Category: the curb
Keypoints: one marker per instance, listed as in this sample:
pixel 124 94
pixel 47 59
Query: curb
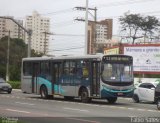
pixel 16 89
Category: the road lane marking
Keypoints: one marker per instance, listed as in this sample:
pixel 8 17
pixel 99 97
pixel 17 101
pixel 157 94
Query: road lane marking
pixel 141 109
pixel 18 111
pixel 24 103
pixel 131 108
pixel 105 106
pixel 74 109
pixel 83 120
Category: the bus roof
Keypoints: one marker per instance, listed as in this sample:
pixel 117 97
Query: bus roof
pixel 69 57
pixel 62 57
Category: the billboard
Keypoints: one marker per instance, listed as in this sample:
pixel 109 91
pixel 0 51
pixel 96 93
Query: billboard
pixel 145 58
pixel 111 51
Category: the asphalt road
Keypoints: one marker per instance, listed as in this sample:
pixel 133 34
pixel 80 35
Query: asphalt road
pixel 30 108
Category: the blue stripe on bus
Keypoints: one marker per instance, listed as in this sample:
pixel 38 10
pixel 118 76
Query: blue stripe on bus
pixel 115 91
pixel 46 82
pixel 106 92
pixel 57 88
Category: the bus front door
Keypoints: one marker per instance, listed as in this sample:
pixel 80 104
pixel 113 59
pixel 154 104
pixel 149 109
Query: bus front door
pixel 35 77
pixel 95 78
pixel 56 74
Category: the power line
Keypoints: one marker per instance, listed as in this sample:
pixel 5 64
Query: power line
pixel 74 35
pixel 58 12
pixel 124 3
pixel 67 49
pixel 152 12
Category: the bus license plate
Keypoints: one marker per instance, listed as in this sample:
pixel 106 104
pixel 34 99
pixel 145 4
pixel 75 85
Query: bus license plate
pixel 120 94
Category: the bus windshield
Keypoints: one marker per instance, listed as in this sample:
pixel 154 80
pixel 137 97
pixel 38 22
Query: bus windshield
pixel 116 72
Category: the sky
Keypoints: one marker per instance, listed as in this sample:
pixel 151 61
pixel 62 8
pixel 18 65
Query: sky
pixel 69 36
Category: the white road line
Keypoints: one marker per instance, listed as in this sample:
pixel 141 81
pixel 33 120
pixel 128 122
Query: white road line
pixel 17 90
pixel 24 103
pixel 141 109
pixel 82 120
pixel 74 109
pixel 18 111
pixel 131 108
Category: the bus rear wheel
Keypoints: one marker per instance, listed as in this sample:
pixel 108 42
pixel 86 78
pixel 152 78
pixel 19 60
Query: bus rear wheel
pixel 112 100
pixel 84 96
pixel 44 92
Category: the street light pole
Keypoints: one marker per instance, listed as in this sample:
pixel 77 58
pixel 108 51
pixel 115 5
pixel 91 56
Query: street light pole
pixel 8 50
pixel 29 42
pixel 86 29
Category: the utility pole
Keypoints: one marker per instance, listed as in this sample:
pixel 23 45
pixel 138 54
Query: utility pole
pixel 86 29
pixel 8 52
pixel 45 41
pixel 93 46
pixel 29 42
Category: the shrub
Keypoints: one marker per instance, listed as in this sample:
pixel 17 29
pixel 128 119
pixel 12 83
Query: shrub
pixel 15 84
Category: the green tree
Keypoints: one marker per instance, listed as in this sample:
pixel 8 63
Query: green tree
pixel 18 50
pixel 137 26
pixel 149 25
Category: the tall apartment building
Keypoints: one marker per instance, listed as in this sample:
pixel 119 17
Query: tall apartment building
pixel 40 26
pixel 99 34
pixel 8 25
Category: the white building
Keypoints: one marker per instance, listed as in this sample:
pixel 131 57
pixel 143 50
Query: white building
pixel 40 26
pixel 8 25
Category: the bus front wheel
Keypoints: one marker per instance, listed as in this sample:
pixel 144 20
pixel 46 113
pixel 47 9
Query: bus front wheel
pixel 44 92
pixel 84 96
pixel 112 100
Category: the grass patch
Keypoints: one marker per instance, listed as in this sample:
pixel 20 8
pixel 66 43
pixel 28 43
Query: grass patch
pixel 15 84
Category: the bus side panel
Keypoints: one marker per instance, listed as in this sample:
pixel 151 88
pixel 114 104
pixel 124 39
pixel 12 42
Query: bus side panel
pixel 41 81
pixel 26 84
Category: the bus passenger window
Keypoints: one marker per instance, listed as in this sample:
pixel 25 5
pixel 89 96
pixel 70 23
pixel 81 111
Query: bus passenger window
pixel 66 68
pixel 85 70
pixel 72 68
pixel 27 69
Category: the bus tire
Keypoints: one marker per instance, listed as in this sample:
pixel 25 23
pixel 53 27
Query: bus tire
pixel 135 98
pixel 112 100
pixel 84 96
pixel 158 104
pixel 44 92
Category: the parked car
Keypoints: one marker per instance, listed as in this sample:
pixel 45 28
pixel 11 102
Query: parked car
pixel 4 86
pixel 157 96
pixel 145 92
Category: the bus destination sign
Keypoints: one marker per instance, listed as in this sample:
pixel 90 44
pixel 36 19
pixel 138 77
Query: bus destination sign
pixel 117 58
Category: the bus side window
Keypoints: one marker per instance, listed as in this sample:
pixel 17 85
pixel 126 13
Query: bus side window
pixel 73 68
pixel 66 68
pixel 85 67
pixel 79 69
pixel 45 70
pixel 27 68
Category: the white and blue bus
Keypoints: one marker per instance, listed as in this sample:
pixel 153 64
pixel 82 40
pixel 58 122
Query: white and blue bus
pixel 87 77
